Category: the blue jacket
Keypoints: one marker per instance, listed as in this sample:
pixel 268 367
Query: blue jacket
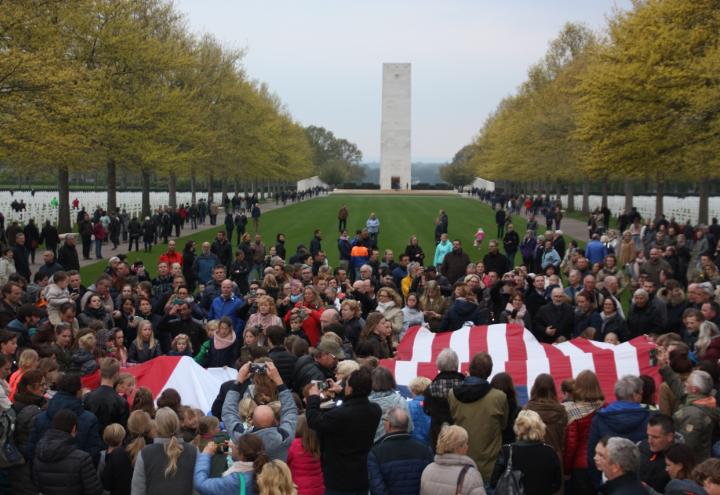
pixel 421 421
pixel 396 463
pixel 205 485
pixel 88 430
pixel 619 419
pixel 203 266
pixel 595 251
pixel 228 307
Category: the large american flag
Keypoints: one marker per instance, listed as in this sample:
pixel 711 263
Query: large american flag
pixel 517 351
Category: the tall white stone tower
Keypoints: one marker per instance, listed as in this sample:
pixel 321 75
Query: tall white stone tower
pixel 395 131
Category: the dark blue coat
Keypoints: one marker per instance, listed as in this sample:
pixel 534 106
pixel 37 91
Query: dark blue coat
pixel 619 419
pixel 396 463
pixel 88 431
pixel 460 312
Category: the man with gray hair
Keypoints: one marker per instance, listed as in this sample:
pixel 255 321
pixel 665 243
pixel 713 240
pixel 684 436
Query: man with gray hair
pixel 625 418
pixel 436 395
pixel 397 461
pixel 619 459
pixel 697 418
pixel 643 316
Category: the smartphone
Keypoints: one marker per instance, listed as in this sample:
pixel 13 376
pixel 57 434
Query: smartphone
pixel 653 357
pixel 320 384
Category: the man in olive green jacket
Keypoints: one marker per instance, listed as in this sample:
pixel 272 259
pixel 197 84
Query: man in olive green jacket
pixel 482 411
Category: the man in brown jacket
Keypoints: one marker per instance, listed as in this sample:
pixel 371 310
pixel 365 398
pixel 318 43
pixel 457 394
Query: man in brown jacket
pixel 482 411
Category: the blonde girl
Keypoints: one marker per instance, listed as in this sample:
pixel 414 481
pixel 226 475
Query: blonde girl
pixel 181 346
pixel 29 360
pixel 144 347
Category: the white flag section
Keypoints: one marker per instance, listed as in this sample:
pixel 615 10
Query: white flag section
pixel 196 385
pixel 516 351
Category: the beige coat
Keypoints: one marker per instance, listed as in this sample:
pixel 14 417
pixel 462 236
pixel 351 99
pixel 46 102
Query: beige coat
pixel 441 477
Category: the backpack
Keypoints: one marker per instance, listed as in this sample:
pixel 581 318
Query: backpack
pixel 9 454
pixel 510 482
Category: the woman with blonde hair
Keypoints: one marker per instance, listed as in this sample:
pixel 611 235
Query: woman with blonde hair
pixel 265 316
pixel 140 433
pixel 350 316
pixel 144 347
pixel 275 479
pixel 627 249
pixel 29 360
pixel 390 306
pixel 451 459
pixel 537 461
pixel 433 304
pixel 587 398
pixel 167 465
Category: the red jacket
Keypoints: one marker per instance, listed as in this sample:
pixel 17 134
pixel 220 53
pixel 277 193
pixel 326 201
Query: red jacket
pixel 311 325
pixel 306 470
pixel 171 258
pixel 99 231
pixel 577 434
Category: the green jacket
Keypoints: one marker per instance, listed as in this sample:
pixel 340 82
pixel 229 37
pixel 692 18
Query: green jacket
pixel 697 419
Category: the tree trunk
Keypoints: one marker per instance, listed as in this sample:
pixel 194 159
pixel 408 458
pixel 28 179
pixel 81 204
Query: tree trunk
pixel 145 201
pixel 210 187
pixel 571 196
pixel 704 205
pixel 659 196
pixel 628 195
pixel 237 186
pixel 111 185
pixel 172 190
pixel 192 187
pixel 63 222
pixel 604 192
pixel 224 185
pixel 586 196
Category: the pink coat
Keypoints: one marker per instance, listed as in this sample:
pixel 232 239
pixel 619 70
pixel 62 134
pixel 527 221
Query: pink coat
pixel 306 470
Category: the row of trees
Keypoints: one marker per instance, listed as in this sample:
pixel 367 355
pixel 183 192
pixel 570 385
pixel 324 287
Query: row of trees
pixel 641 101
pixel 123 86
pixel 337 160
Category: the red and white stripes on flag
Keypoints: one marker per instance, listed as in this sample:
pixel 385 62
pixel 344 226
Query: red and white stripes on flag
pixel 517 351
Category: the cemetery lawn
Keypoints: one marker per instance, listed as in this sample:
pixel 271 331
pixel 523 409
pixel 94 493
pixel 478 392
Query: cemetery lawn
pixel 400 217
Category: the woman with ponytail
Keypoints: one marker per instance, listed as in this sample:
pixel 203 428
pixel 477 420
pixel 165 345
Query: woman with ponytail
pixel 241 476
pixel 167 465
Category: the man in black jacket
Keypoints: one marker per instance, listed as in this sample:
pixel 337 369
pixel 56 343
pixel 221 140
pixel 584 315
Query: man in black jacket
pixel 555 319
pixel 20 256
pixel 104 402
pixel 346 433
pixel 67 254
pixel 494 261
pixel 60 467
pixel 511 242
pixel 180 320
pixel 318 366
pixel 455 263
pixel 222 249
pixel 284 361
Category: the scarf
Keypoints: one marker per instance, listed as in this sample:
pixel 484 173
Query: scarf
pixel 382 307
pixel 224 343
pixel 520 314
pixel 96 313
pixel 239 467
pixel 605 317
pixel 579 410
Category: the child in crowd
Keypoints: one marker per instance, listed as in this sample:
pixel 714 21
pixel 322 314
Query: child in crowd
pixel 296 328
pixel 143 401
pixel 56 294
pixel 125 386
pixel 304 460
pixel 421 421
pixel 208 430
pixel 84 358
pixel 612 338
pixel 181 346
pixel 29 360
pixel 201 356
pixel 188 423
pixel 116 473
pixel 144 347
pixel 479 237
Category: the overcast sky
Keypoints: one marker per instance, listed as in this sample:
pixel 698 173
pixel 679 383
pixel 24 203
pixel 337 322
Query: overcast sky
pixel 324 58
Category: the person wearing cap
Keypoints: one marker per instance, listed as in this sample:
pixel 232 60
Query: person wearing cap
pixel 320 365
pixel 277 435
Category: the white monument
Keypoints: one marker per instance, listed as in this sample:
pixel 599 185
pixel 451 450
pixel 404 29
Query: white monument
pixel 395 131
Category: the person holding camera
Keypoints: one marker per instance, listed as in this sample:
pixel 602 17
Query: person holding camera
pixel 277 435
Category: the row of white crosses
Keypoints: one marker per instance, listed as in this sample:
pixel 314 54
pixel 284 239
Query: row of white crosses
pixel 40 206
pixel 680 208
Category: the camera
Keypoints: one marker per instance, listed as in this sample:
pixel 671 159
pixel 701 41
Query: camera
pixel 320 384
pixel 223 448
pixel 258 368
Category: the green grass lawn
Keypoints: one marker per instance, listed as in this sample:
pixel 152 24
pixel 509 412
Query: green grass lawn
pixel 400 217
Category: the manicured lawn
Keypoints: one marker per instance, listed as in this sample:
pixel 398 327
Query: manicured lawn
pixel 400 217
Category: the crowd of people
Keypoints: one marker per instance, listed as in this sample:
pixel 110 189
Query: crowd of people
pixel 312 409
